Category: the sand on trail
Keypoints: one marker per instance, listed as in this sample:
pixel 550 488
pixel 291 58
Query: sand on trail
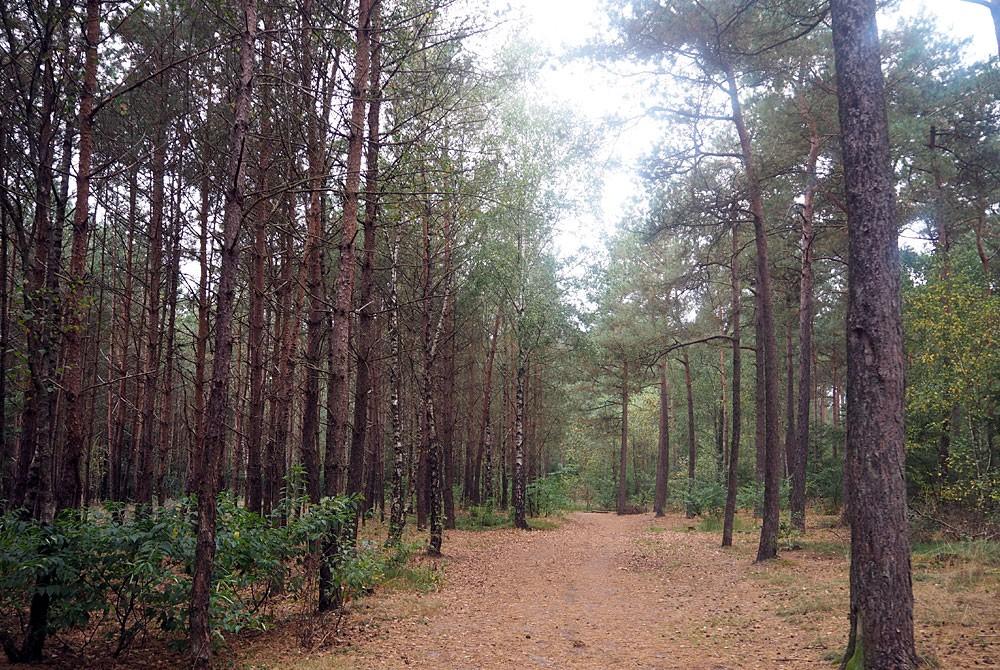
pixel 599 591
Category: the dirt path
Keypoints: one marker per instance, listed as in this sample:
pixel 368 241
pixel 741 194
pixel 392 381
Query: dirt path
pixel 600 591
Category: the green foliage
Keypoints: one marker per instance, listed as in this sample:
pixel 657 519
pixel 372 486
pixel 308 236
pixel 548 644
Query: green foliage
pixel 978 552
pixel 953 336
pixel 482 517
pixel 825 481
pixel 120 575
pixel 551 494
pixel 714 524
pixel 704 497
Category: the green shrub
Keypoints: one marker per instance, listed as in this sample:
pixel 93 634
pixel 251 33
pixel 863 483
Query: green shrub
pixel 551 493
pixel 482 517
pixel 120 576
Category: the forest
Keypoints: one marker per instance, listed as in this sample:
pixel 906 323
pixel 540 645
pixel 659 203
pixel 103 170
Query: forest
pixel 320 347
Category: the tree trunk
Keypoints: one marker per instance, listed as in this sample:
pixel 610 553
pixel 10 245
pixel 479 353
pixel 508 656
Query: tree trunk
pixel 732 477
pixel 166 431
pixel 692 444
pixel 257 337
pixel 798 492
pixel 215 424
pixel 789 400
pixel 397 512
pixel 519 493
pixel 342 306
pixel 759 418
pixel 201 339
pixel 663 452
pixel 366 313
pixel 151 364
pixel 768 547
pixel 622 502
pixel 33 485
pixel 73 350
pixel 313 259
pixel 881 590
pixel 484 453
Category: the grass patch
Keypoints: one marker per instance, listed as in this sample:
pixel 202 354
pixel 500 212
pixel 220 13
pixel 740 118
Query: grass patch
pixel 422 578
pixel 714 523
pixel 482 517
pixel 543 523
pixel 809 603
pixel 826 548
pixel 981 553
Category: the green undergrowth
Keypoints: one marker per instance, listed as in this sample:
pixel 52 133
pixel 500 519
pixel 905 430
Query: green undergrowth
pixel 980 552
pixel 713 524
pixel 401 573
pixel 486 517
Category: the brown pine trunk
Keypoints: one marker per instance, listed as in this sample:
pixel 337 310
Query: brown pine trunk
pixel 484 452
pixel 120 337
pixel 151 364
pixel 797 502
pixel 366 313
pixel 166 427
pixel 692 444
pixel 663 451
pixel 73 350
pixel 622 501
pixel 343 300
pixel 33 485
pixel 257 337
pixel 759 419
pixel 735 310
pixel 201 339
pixel 881 590
pixel 314 271
pixel 215 418
pixel 790 442
pixel 772 466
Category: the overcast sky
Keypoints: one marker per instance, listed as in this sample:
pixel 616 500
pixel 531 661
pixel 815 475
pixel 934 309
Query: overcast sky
pixel 562 24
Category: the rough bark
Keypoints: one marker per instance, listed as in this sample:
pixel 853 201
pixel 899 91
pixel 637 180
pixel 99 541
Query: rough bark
pixel 622 501
pixel 151 362
pixel 519 491
pixel 397 510
pixel 768 547
pixel 881 590
pixel 798 492
pixel 73 350
pixel 215 425
pixel 790 442
pixel 735 311
pixel 344 290
pixel 366 311
pixel 201 339
pixel 309 443
pixel 257 337
pixel 663 445
pixel 692 443
pixel 484 453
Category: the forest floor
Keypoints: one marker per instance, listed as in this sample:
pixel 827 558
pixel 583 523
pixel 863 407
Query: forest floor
pixel 603 591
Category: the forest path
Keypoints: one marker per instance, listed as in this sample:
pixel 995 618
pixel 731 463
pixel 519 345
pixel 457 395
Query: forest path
pixel 599 591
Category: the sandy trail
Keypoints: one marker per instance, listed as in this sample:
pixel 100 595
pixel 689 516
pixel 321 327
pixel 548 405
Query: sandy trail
pixel 600 591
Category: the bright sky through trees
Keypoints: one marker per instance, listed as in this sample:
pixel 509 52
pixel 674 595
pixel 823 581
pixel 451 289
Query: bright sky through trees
pixel 599 94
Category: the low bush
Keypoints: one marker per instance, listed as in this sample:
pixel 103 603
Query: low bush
pixel 551 494
pixel 118 576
